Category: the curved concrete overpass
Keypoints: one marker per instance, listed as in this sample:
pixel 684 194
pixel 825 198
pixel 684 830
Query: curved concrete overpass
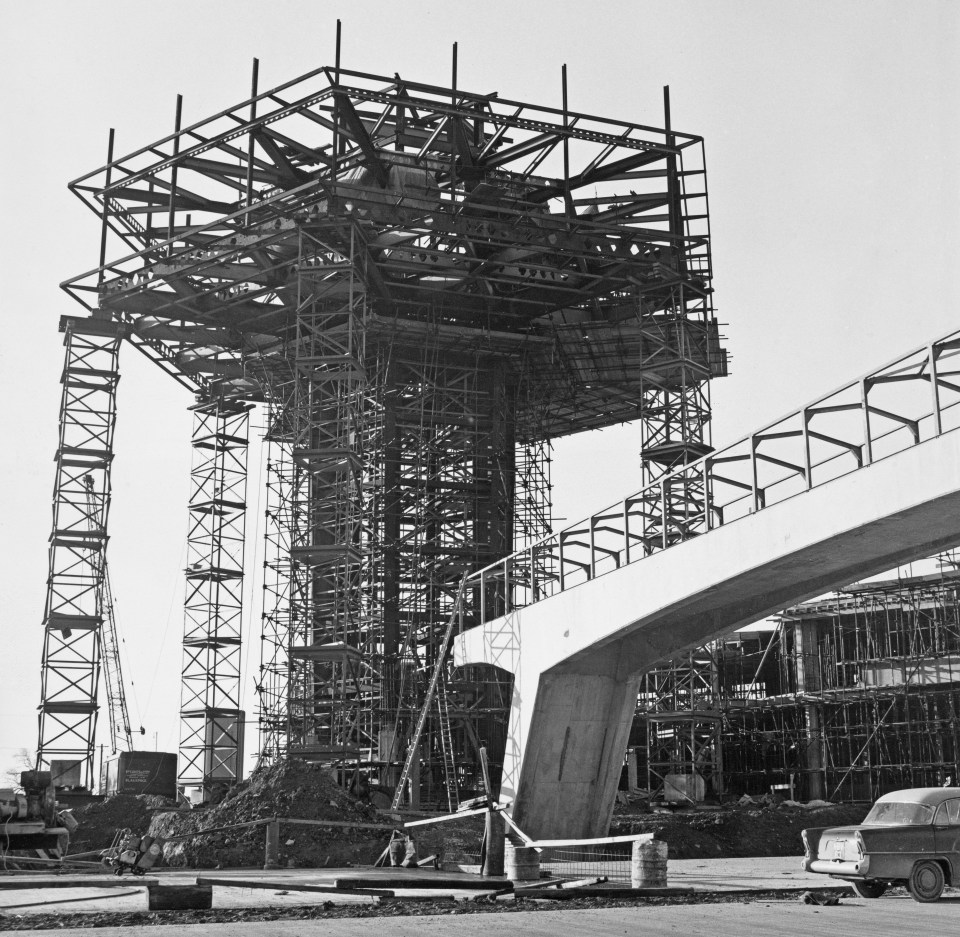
pixel 578 656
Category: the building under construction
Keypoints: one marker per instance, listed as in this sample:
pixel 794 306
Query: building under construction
pixel 421 287
pixel 843 698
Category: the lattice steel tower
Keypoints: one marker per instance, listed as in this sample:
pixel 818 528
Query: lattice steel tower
pixel 422 286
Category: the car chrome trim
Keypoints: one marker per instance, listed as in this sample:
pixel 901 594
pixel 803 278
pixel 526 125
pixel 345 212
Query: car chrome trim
pixel 833 867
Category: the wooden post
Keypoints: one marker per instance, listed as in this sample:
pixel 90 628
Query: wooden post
pixel 272 855
pixel 495 835
pixel 414 782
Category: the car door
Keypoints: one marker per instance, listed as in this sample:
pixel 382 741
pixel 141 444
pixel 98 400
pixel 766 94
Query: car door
pixel 946 832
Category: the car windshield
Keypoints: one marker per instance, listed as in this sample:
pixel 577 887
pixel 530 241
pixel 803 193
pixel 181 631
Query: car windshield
pixel 894 813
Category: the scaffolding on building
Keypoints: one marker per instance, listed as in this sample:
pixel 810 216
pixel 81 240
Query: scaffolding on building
pixel 422 287
pixel 843 698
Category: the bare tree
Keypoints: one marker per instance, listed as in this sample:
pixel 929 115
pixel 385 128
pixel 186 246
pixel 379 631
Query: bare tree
pixel 22 760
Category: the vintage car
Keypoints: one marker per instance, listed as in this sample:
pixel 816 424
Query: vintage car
pixel 908 838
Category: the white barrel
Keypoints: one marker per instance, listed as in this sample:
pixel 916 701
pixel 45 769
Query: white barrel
pixel 648 865
pixel 521 863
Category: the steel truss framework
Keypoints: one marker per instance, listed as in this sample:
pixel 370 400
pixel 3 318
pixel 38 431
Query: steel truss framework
pixel 212 722
pixel 74 613
pixel 678 708
pixel 425 286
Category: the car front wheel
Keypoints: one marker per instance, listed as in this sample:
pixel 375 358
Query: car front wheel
pixel 869 889
pixel 926 881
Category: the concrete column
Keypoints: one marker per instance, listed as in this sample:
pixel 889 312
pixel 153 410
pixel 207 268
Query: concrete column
pixel 813 753
pixel 574 754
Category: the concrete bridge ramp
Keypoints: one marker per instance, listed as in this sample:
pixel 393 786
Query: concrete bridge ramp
pixel 578 653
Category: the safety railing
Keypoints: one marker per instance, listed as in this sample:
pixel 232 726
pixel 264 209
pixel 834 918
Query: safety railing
pixel 908 401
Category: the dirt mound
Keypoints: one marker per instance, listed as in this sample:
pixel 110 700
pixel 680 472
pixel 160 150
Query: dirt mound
pixel 737 832
pixel 99 822
pixel 291 789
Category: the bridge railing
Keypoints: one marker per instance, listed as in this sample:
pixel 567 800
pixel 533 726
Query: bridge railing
pixel 906 402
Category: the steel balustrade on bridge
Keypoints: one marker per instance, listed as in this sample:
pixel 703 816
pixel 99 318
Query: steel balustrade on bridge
pixel 908 401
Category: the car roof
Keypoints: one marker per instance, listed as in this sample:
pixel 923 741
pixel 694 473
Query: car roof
pixel 921 795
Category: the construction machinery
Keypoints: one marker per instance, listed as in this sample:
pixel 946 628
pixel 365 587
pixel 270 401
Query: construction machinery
pixel 29 818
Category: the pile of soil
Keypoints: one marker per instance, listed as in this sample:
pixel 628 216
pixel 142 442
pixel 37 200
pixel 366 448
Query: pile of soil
pixel 100 821
pixel 291 789
pixel 302 791
pixel 736 831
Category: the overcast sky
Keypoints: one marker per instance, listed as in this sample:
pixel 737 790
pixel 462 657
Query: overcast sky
pixel 832 146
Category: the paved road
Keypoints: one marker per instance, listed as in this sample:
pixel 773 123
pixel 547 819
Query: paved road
pixel 886 917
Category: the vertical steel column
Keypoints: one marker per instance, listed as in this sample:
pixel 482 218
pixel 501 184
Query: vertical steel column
pixel 73 616
pixel 211 740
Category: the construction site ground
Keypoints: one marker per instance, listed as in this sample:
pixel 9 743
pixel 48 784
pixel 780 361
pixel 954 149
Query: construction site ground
pixel 737 851
pixel 109 904
pixel 299 791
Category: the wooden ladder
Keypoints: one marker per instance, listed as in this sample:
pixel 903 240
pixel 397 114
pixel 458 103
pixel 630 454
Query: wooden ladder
pixel 435 681
pixel 446 743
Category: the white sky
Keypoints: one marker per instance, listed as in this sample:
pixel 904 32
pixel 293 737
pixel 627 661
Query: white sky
pixel 833 151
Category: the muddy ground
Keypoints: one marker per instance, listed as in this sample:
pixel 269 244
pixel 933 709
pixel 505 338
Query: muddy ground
pixel 303 791
pixel 293 789
pixel 734 831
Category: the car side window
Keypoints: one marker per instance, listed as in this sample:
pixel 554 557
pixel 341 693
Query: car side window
pixel 949 813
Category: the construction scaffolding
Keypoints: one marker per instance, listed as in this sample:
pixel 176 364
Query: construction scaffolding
pixel 77 597
pixel 422 287
pixel 211 718
pixel 843 698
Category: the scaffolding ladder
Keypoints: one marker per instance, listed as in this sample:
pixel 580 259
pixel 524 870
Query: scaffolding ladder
pixel 446 742
pixel 435 683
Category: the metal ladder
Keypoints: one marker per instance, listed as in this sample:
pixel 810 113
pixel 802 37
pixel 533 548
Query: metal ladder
pixel 435 680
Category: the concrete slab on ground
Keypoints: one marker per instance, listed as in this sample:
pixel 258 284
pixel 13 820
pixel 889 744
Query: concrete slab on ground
pixel 279 888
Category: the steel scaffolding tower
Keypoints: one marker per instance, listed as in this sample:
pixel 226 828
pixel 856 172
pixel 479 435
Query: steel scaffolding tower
pixel 425 286
pixel 74 614
pixel 211 738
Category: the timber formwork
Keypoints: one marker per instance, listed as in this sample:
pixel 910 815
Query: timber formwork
pixel 423 287
pixel 846 698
